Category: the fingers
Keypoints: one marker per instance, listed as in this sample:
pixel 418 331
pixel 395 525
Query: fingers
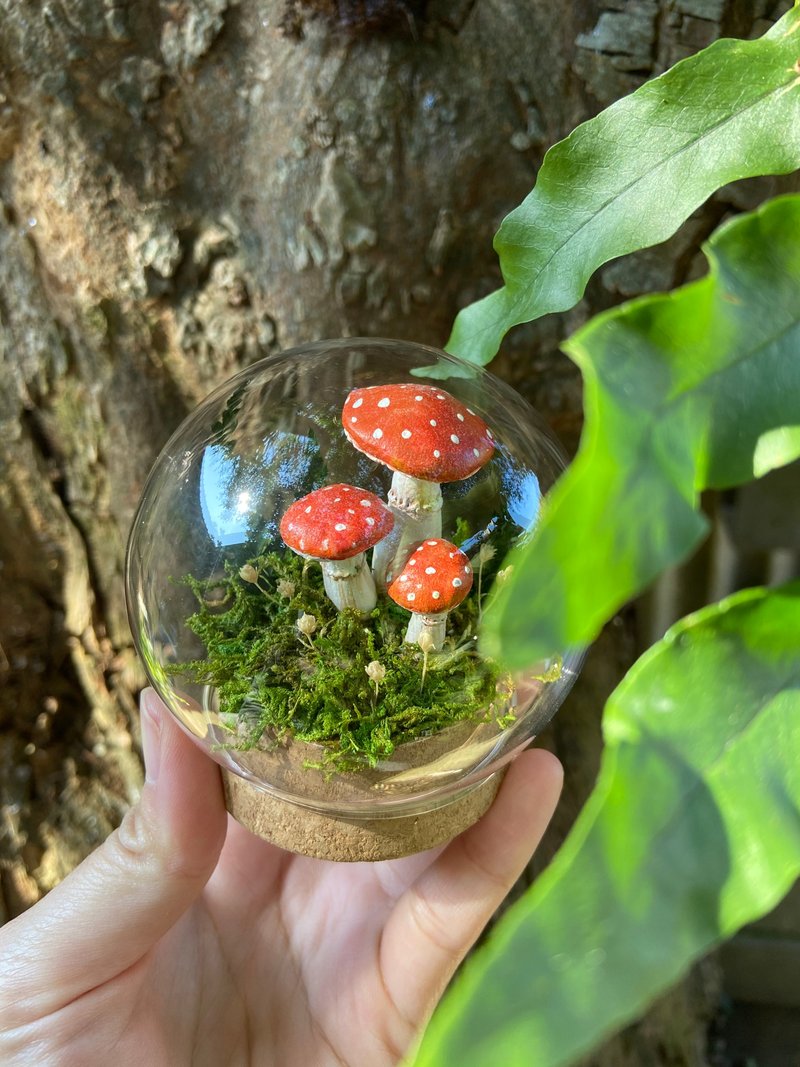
pixel 439 917
pixel 121 900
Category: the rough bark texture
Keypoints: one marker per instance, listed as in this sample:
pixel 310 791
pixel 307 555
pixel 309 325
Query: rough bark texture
pixel 187 186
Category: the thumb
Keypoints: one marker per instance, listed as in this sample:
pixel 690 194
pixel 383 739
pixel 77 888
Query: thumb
pixel 124 897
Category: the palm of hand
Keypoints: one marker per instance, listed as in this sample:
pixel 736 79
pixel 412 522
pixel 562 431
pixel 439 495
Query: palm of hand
pixel 286 960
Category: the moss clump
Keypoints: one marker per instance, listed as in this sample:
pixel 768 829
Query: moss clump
pixel 274 680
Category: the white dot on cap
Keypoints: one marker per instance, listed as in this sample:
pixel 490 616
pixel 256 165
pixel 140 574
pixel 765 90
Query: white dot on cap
pixel 475 452
pixel 436 594
pixel 403 577
pixel 364 503
pixel 350 511
pixel 308 510
pixel 430 543
pixel 337 500
pixel 340 526
pixel 466 570
pixel 459 416
pixel 418 398
pixel 377 433
pixel 411 596
pixel 359 402
pixel 384 402
pixel 430 570
pixel 439 396
pixel 457 582
pixel 433 422
pixel 436 453
pixel 370 521
pixel 406 434
pixel 326 543
pixel 302 543
pixel 354 419
pixel 412 562
pixel 346 489
pixel 455 438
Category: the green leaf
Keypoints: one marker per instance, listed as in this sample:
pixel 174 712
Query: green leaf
pixel 693 829
pixel 628 178
pixel 776 448
pixel 683 392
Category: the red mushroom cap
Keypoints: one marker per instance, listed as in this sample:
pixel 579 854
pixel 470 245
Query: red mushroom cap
pixel 336 522
pixel 436 577
pixel 417 429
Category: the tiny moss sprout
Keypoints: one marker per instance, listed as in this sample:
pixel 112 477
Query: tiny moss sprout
pixel 306 626
pixel 426 643
pixel 248 573
pixel 376 672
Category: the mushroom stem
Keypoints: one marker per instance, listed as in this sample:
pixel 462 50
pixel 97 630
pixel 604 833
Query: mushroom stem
pixel 349 584
pixel 431 624
pixel 417 509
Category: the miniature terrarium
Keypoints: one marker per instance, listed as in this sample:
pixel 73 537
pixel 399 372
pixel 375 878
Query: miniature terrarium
pixel 307 572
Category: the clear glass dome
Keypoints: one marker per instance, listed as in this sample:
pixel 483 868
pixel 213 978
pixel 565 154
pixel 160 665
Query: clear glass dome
pixel 366 708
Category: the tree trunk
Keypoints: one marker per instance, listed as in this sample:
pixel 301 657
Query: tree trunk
pixel 188 186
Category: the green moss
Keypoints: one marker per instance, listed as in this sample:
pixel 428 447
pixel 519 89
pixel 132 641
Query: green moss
pixel 272 680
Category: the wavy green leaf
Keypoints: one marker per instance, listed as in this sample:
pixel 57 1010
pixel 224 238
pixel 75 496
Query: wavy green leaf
pixel 693 829
pixel 683 392
pixel 628 178
pixel 776 448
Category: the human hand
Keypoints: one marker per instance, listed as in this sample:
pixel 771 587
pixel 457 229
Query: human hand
pixel 185 940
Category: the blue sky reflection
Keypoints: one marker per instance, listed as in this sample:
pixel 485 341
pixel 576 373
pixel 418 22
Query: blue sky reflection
pixel 238 496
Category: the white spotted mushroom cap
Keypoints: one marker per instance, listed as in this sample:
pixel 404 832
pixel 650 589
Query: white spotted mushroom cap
pixel 335 522
pixel 418 430
pixel 436 577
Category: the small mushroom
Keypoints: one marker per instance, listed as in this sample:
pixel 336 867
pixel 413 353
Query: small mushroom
pixel 436 578
pixel 336 525
pixel 425 436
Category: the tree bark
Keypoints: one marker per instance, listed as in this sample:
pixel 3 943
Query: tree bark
pixel 188 186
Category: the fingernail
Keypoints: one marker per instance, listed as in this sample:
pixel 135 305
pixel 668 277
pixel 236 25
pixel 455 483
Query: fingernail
pixel 150 707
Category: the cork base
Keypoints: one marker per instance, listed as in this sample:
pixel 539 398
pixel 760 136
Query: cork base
pixel 326 837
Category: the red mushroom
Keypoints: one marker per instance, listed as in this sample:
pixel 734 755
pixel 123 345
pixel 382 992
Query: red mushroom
pixel 425 436
pixel 435 579
pixel 336 525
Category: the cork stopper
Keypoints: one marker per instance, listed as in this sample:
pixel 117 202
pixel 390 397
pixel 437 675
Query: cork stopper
pixel 327 837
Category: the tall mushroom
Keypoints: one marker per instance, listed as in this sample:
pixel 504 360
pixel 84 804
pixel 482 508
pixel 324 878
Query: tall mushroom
pixel 336 525
pixel 425 436
pixel 435 579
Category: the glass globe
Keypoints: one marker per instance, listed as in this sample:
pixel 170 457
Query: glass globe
pixel 277 568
